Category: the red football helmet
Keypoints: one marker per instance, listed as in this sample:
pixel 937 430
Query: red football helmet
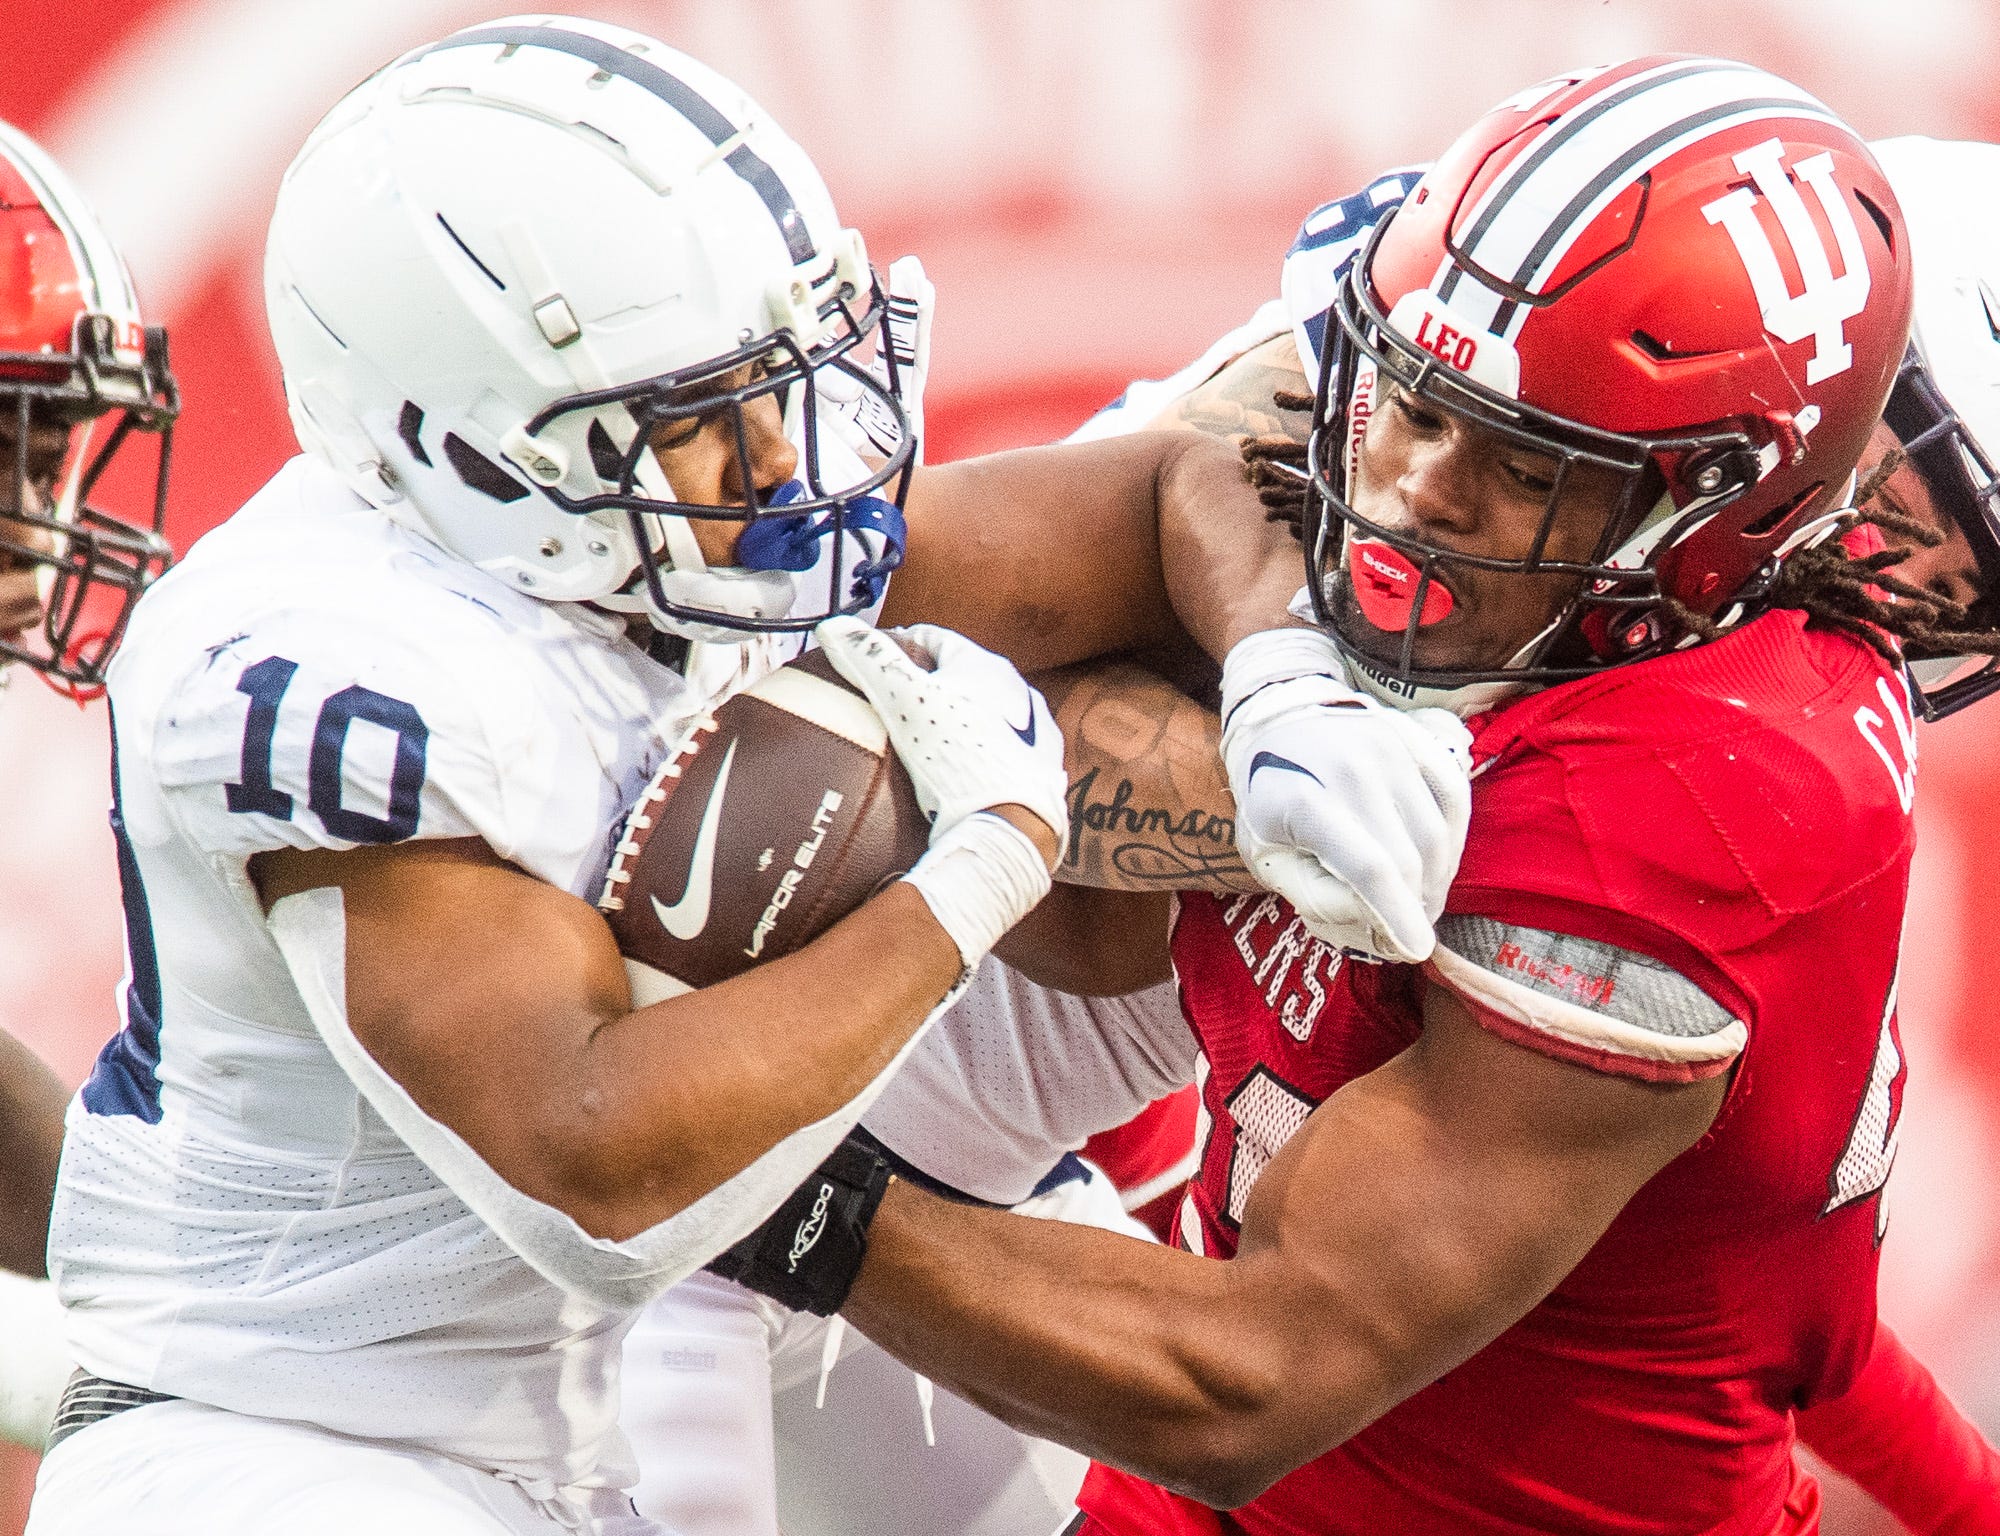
pixel 1684 271
pixel 73 351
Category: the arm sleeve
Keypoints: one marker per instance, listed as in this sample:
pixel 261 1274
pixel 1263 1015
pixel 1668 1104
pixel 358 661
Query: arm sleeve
pixel 1897 1435
pixel 1585 1001
pixel 311 932
pixel 1016 1075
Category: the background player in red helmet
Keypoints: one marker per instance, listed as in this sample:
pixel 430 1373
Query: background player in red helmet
pixel 78 374
pixel 1602 1176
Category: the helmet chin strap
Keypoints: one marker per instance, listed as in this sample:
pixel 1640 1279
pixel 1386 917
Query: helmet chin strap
pixel 761 595
pixel 689 580
pixel 1465 700
pixel 69 500
pixel 63 509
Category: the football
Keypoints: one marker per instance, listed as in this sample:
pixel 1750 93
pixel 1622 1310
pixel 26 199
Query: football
pixel 778 815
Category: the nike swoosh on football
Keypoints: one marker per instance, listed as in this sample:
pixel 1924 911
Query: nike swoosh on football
pixel 686 918
pixel 1272 760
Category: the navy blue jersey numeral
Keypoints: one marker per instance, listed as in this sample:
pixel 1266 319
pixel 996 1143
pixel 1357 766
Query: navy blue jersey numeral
pixel 1356 214
pixel 265 682
pixel 406 782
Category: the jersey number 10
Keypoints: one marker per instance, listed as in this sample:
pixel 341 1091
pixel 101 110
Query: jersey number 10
pixel 266 682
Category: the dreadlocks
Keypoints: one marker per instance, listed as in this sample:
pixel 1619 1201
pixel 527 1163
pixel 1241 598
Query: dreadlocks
pixel 1858 595
pixel 1277 468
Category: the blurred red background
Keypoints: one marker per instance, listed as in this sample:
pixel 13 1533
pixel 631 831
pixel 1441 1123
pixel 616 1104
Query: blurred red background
pixel 1098 190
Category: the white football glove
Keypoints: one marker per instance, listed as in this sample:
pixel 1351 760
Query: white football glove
pixel 1352 811
pixel 861 419
pixel 973 735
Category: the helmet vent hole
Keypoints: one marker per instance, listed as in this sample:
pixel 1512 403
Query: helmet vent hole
pixel 1778 516
pixel 490 275
pixel 1660 351
pixel 408 425
pixel 480 472
pixel 604 455
pixel 1884 225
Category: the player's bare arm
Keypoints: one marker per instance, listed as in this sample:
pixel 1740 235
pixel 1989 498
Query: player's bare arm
pixel 457 961
pixel 1092 942
pixel 1149 812
pixel 1006 550
pixel 31 1127
pixel 1057 554
pixel 1149 805
pixel 1422 1210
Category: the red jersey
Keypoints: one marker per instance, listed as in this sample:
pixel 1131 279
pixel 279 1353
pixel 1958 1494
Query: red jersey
pixel 1673 867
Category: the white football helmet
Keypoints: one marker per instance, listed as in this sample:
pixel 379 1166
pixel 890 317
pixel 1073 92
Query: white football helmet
pixel 503 260
pixel 1945 407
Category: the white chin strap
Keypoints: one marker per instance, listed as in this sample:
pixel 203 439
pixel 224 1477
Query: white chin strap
pixel 757 595
pixel 688 580
pixel 1465 701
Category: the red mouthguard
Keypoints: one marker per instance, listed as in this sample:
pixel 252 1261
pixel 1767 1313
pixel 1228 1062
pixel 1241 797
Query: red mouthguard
pixel 1385 584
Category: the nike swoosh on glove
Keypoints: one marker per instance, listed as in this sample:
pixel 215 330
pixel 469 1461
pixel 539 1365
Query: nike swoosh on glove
pixel 957 726
pixel 867 425
pixel 1352 811
pixel 973 735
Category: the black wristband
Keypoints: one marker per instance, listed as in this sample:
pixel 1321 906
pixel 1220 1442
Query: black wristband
pixel 808 1251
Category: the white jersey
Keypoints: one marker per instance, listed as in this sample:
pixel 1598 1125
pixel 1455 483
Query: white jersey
pixel 1143 399
pixel 234 1224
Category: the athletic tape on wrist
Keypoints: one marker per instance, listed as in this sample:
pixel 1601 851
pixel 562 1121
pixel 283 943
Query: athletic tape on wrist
pixel 980 878
pixel 1276 656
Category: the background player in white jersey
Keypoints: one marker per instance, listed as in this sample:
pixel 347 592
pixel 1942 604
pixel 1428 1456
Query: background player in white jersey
pixel 79 373
pixel 368 748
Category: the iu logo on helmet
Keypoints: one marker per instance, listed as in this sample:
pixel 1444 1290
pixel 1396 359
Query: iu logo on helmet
pixel 1827 302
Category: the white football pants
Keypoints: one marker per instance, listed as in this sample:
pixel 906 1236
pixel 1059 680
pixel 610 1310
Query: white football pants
pixel 186 1469
pixel 721 1406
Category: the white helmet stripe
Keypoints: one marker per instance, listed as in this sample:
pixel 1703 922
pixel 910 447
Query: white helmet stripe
pixel 1524 226
pixel 1564 131
pixel 676 93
